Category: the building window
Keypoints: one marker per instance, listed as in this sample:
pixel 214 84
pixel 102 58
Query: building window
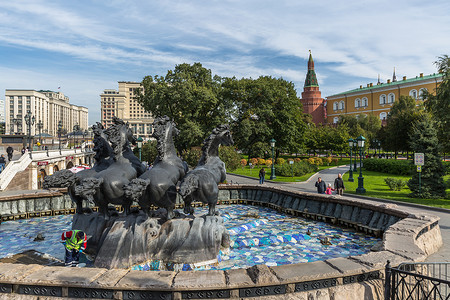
pixel 357 102
pixel 413 93
pixel 335 120
pixel 421 91
pixel 342 104
pixel 335 106
pixel 364 102
pixel 391 98
pixel 382 99
pixel 383 116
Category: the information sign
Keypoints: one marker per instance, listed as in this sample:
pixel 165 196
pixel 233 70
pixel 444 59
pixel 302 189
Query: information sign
pixel 419 159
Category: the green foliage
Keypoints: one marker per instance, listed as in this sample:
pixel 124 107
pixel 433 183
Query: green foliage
pixel 189 95
pixel 148 152
pixel 439 104
pixel 280 161
pixel 297 169
pixel 395 184
pixel 395 136
pixel 423 139
pixel 192 156
pixel 389 166
pixel 266 108
pixel 230 157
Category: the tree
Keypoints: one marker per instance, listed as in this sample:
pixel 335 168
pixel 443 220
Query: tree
pixel 148 152
pixel 423 139
pixel 266 108
pixel 189 95
pixel 230 157
pixel 399 123
pixel 365 125
pixel 439 104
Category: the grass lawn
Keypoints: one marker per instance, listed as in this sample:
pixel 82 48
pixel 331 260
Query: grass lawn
pixel 376 187
pixel 255 173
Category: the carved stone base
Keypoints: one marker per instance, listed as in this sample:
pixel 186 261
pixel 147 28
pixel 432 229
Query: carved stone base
pixel 124 241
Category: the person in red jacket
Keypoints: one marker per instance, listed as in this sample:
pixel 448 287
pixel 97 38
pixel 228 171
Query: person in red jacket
pixel 75 242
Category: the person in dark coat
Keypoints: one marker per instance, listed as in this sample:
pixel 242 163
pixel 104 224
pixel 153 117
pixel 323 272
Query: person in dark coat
pixel 321 186
pixel 339 185
pixel 2 163
pixel 9 151
pixel 262 175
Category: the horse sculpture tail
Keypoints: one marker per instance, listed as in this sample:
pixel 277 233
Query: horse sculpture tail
pixel 87 188
pixel 60 179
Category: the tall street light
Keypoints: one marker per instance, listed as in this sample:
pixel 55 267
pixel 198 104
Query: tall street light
pixel 360 190
pixel 59 134
pixel 18 122
pixel 40 125
pixel 29 120
pixel 351 142
pixel 76 128
pixel 272 173
pixel 139 145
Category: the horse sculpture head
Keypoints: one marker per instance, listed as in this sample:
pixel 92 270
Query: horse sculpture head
pixel 163 131
pixel 221 135
pixel 119 135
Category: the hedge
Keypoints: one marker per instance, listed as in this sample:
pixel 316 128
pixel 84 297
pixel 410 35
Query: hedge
pixel 389 166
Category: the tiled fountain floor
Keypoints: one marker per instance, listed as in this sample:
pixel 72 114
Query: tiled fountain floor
pixel 258 236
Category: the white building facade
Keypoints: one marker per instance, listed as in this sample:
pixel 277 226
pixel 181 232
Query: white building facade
pixel 47 108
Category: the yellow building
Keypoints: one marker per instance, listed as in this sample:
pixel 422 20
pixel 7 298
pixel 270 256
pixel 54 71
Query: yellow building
pixel 122 103
pixel 378 99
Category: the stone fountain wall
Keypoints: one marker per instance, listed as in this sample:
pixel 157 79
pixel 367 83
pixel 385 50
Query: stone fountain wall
pixel 406 238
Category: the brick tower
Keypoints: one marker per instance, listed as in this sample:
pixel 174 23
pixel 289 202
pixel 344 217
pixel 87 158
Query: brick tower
pixel 312 100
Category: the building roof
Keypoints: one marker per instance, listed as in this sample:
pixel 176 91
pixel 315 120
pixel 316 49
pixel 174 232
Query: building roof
pixel 311 79
pixel 383 85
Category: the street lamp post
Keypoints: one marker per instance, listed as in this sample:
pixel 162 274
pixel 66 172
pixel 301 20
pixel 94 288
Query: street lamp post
pixel 351 142
pixel 29 120
pixel 139 145
pixel 360 189
pixel 59 135
pixel 76 128
pixel 272 173
pixel 18 122
pixel 40 125
pixel 355 144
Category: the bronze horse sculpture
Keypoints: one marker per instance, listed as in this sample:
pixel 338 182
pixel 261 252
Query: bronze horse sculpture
pixel 65 178
pixel 157 186
pixel 201 184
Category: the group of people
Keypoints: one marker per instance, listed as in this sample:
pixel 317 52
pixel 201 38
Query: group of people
pixel 339 187
pixel 9 152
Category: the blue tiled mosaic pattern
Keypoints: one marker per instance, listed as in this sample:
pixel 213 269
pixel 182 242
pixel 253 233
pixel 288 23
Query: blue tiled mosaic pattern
pixel 258 236
pixel 263 236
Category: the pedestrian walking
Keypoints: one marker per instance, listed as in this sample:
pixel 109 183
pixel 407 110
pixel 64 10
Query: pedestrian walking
pixel 339 185
pixel 329 190
pixel 10 152
pixel 74 243
pixel 2 163
pixel 23 150
pixel 262 175
pixel 321 186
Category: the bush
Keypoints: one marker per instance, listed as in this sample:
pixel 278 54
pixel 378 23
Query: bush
pixel 395 184
pixel 269 162
pixel 297 169
pixel 335 161
pixel 297 160
pixel 254 162
pixel 389 166
pixel 261 161
pixel 328 160
pixel 281 161
pixel 311 161
pixel 243 162
pixel 318 161
pixel 192 156
pixel 230 157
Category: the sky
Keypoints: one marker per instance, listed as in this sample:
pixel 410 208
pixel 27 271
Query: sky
pixel 84 47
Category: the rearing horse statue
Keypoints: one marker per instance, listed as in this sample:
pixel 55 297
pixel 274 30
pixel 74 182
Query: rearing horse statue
pixel 201 184
pixel 107 186
pixel 157 186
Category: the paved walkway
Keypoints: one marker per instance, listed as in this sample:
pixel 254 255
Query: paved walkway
pixel 328 175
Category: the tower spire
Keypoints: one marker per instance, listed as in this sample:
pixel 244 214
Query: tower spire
pixel 311 79
pixel 379 82
pixel 394 78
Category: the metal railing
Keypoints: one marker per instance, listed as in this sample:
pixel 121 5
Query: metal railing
pixel 418 281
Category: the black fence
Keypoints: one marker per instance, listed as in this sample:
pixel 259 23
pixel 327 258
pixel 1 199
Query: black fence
pixel 418 281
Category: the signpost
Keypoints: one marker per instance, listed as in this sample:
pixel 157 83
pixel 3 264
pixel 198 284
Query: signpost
pixel 419 160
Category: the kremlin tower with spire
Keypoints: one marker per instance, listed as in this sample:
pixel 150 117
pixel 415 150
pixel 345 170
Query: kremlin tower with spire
pixel 312 100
